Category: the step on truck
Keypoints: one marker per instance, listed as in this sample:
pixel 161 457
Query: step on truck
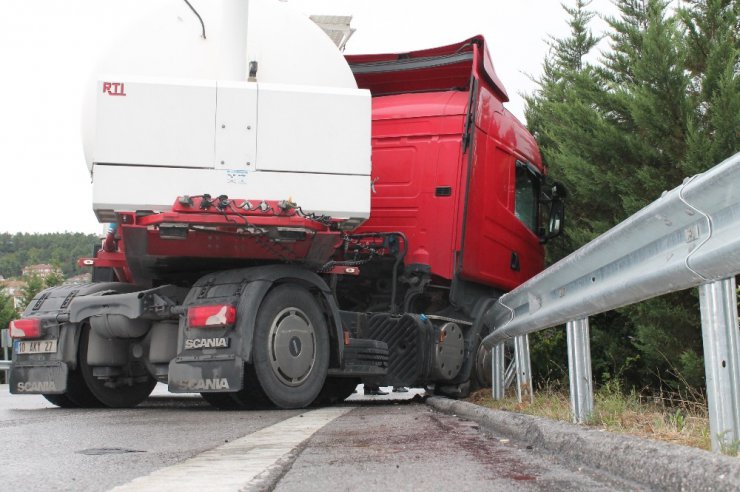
pixel 285 222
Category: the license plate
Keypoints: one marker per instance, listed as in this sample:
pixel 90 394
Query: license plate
pixel 35 347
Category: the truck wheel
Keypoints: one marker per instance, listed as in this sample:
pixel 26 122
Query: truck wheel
pixel 291 347
pixel 251 396
pixel 222 401
pixel 336 390
pixel 481 376
pixel 70 400
pixel 61 401
pixel 78 395
pixel 480 372
pixel 121 395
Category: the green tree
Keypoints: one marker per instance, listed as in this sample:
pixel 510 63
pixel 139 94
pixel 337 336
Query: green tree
pixel 583 148
pixel 34 285
pixel 712 61
pixel 7 314
pixel 59 249
pixel 53 279
pixel 7 311
pixel 569 53
pixel 561 115
pixel 662 103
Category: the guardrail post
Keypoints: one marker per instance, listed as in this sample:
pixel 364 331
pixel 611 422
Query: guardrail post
pixel 719 323
pixel 5 344
pixel 510 374
pixel 523 368
pixel 497 376
pixel 579 370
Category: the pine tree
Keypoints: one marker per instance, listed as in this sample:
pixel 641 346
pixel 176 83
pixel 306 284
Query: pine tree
pixel 646 99
pixel 626 40
pixel 685 99
pixel 7 311
pixel 569 53
pixel 34 285
pixel 662 104
pixel 713 55
pixel 584 148
pixel 561 116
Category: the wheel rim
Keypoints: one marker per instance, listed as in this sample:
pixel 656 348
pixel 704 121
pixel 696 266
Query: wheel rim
pixel 292 346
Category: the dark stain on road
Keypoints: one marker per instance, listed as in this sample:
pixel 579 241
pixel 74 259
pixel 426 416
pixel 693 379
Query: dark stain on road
pixel 484 449
pixel 416 437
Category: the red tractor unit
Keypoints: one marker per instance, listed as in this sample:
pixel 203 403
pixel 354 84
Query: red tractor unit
pixel 255 255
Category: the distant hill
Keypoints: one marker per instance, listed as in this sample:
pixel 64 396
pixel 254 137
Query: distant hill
pixel 58 249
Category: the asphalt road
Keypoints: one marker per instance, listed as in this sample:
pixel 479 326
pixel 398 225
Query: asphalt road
pixel 181 443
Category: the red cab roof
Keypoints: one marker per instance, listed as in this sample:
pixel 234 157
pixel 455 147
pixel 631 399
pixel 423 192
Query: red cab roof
pixel 444 68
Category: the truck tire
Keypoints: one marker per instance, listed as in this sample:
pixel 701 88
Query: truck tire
pixel 251 396
pixel 121 396
pixel 222 401
pixel 336 390
pixel 78 395
pixel 290 356
pixel 62 401
pixel 481 371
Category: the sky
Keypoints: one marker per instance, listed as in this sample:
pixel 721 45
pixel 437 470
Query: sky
pixel 48 49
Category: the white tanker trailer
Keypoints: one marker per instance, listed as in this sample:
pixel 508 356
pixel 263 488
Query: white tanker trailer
pixel 248 98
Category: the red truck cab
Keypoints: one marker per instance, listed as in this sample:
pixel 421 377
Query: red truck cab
pixel 453 170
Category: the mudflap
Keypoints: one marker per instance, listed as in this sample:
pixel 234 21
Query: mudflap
pixel 47 379
pixel 217 375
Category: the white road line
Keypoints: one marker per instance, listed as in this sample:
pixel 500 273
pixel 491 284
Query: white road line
pixel 230 467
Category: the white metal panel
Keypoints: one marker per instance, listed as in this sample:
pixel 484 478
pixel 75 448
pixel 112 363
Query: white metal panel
pixel 155 122
pixel 232 53
pixel 236 125
pixel 157 188
pixel 291 49
pixel 166 41
pixel 314 129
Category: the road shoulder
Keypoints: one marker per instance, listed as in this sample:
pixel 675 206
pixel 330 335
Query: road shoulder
pixel 655 464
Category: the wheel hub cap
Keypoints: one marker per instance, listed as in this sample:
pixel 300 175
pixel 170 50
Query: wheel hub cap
pixel 292 346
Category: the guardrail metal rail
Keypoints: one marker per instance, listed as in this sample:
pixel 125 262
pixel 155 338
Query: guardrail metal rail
pixel 690 237
pixel 5 362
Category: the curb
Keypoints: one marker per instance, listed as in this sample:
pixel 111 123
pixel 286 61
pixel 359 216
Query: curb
pixel 658 465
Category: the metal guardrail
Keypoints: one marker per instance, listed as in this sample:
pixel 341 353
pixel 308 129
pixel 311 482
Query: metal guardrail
pixel 689 237
pixel 5 343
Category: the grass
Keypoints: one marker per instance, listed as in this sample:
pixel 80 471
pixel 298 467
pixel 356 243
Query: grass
pixel 664 418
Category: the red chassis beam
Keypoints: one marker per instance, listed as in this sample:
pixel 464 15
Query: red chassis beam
pixel 217 228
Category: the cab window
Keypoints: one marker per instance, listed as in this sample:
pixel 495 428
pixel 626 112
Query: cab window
pixel 527 193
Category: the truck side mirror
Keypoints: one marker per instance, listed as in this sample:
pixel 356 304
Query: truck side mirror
pixel 556 218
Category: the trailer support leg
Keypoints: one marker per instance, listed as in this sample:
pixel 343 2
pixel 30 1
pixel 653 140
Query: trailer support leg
pixel 719 322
